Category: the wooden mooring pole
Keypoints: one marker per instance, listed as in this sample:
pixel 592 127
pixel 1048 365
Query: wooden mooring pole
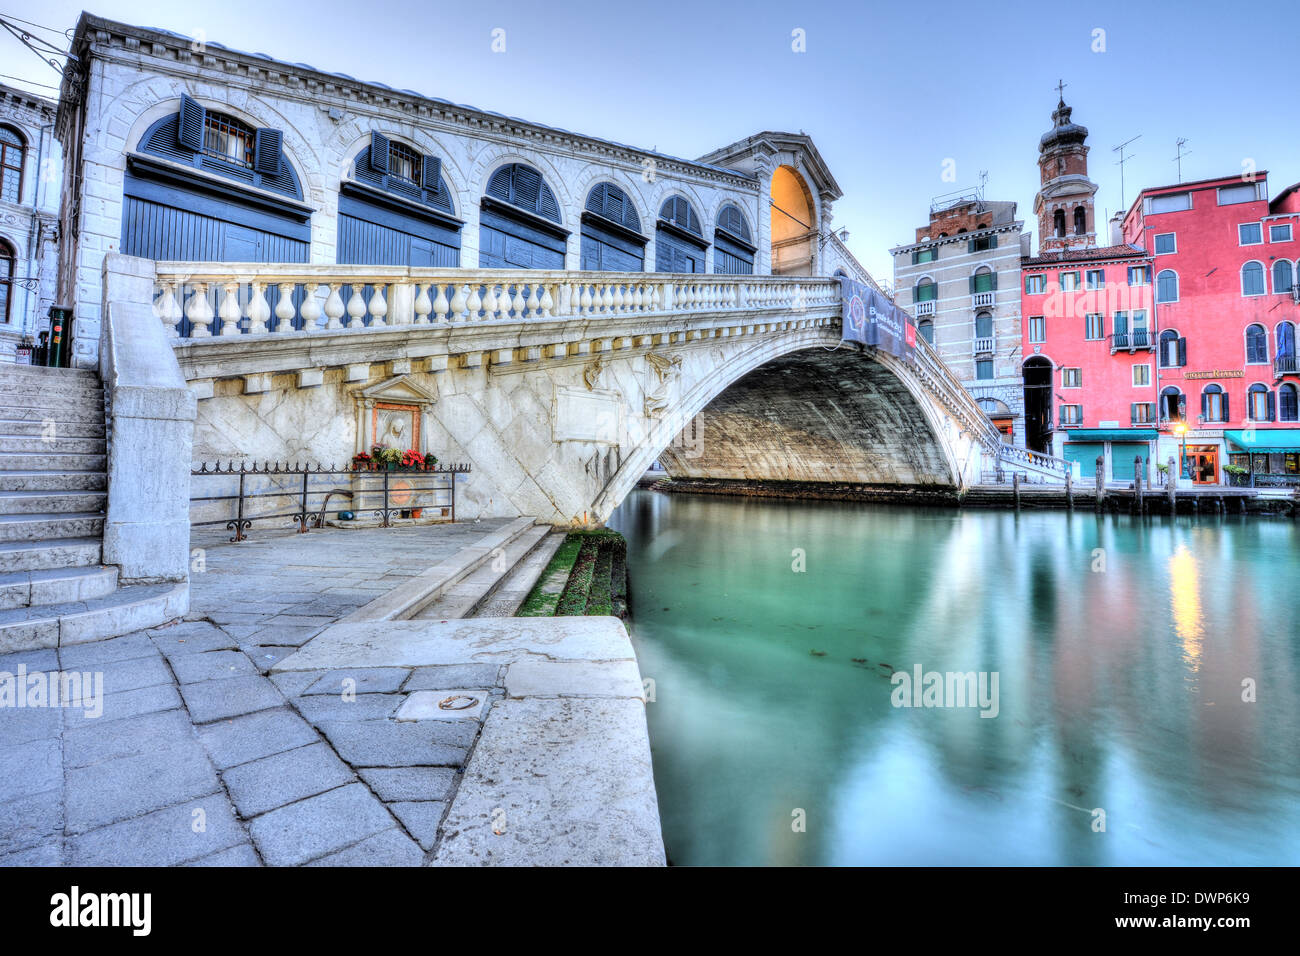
pixel 1140 474
pixel 1015 489
pixel 1101 482
pixel 1173 487
pixel 1069 491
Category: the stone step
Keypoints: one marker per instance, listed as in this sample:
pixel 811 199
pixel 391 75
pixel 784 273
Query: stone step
pixel 51 502
pixel 58 445
pixel 39 373
pixel 19 429
pixel 18 556
pixel 70 412
pixel 58 586
pixel 46 526
pixel 519 582
pixel 78 622
pixel 11 481
pixel 462 599
pixel 73 462
pixel 15 393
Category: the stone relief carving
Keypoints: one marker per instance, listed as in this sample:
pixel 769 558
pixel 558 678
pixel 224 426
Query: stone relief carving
pixel 664 371
pixel 591 372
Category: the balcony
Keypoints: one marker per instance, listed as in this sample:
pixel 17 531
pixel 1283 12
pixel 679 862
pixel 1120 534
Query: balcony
pixel 982 300
pixel 1134 341
pixel 925 308
pixel 1286 365
pixel 985 343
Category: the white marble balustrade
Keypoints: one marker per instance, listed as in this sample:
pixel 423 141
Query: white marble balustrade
pixel 204 300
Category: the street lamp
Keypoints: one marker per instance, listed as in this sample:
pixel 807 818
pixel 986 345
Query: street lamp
pixel 1180 429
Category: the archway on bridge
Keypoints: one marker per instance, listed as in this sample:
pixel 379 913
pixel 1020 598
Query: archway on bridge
pixel 794 224
pixel 1038 403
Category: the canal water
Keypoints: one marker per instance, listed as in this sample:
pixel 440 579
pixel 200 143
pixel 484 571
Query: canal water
pixel 1122 648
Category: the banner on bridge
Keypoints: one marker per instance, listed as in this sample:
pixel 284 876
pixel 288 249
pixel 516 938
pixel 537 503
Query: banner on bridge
pixel 871 319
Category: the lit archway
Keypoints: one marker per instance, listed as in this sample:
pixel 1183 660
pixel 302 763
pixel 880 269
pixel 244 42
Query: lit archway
pixel 794 225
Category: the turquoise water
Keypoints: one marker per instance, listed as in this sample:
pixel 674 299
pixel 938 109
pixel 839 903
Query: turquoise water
pixel 1121 647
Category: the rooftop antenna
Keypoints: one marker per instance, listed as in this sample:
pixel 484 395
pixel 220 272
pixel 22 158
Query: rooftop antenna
pixel 1182 141
pixel 1122 160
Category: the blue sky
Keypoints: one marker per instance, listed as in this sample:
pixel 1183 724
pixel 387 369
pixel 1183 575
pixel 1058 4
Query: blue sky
pixel 888 91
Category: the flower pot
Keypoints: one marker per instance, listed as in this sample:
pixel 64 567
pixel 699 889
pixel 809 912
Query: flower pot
pixel 416 512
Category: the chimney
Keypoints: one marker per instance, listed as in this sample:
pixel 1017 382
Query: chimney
pixel 1117 229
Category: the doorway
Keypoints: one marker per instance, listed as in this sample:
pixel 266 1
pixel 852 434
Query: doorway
pixel 1038 403
pixel 1202 464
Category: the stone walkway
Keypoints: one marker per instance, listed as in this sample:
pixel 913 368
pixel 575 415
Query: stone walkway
pixel 202 756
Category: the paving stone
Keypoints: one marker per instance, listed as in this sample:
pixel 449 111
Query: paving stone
pixel 191 637
pixel 254 736
pixel 264 656
pixel 47 854
pixel 285 778
pixel 31 821
pixel 428 705
pixel 410 783
pixel 85 656
pixel 241 632
pixel 421 819
pixel 453 675
pixel 292 619
pixel 242 855
pixel 321 707
pixel 122 676
pixel 39 660
pixel 383 743
pixel 574 679
pixel 129 703
pixel 95 742
pixel 284 635
pixel 19 725
pixel 311 828
pixel 226 618
pixel 191 830
pixel 125 787
pixel 229 697
pixel 293 683
pixel 211 665
pixel 390 848
pixel 30 768
pixel 365 680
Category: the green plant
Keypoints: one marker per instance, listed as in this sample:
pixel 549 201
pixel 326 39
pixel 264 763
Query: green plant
pixel 1235 470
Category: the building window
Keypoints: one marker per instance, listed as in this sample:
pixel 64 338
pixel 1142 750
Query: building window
pixel 1214 404
pixel 1169 202
pixel 1167 286
pixel 926 328
pixel 1283 276
pixel 1173 349
pixel 1058 223
pixel 1250 234
pixel 6 280
pixel 983 281
pixel 984 326
pixel 227 138
pixel 1071 414
pixel 1069 281
pixel 1279 232
pixel 404 162
pixel 984 369
pixel 1139 275
pixel 1166 243
pixel 1140 330
pixel 1037 328
pixel 1035 285
pixel 927 290
pixel 1094 326
pixel 1171 405
pixel 1288 403
pixel 1142 413
pixel 12 150
pixel 1141 375
pixel 1080 221
pixel 1071 378
pixel 1259 403
pixel 1256 345
pixel 1252 279
pixel 928 254
pixel 1286 356
pixel 982 243
pixel 1232 195
pixel 1095 279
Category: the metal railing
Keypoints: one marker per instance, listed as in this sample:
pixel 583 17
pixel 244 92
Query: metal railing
pixel 385 492
pixel 1286 365
pixel 1137 339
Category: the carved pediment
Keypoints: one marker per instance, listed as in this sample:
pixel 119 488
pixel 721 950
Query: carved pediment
pixel 400 390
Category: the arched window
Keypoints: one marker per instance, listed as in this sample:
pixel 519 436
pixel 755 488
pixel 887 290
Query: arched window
pixel 6 280
pixel 1173 349
pixel 984 280
pixel 611 232
pixel 1171 404
pixel 927 290
pixel 983 325
pixel 1214 404
pixel 12 149
pixel 1286 355
pixel 1259 403
pixel 1283 276
pixel 1288 403
pixel 1256 345
pixel 1058 223
pixel 519 223
pixel 733 243
pixel 926 328
pixel 679 238
pixel 523 187
pixel 1080 221
pixel 1252 279
pixel 1167 286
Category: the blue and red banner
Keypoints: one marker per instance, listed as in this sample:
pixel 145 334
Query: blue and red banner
pixel 871 319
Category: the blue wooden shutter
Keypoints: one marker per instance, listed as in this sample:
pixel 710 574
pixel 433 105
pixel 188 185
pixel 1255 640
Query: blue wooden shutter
pixel 1205 405
pixel 970 245
pixel 1182 351
pixel 972 285
pixel 916 256
pixel 527 188
pixel 378 152
pixel 994 278
pixel 1272 406
pixel 194 118
pixel 431 174
pixel 1227 416
pixel 266 151
pixel 547 205
pixel 993 241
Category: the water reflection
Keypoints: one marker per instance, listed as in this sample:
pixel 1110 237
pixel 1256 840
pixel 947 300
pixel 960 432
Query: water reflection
pixel 1120 687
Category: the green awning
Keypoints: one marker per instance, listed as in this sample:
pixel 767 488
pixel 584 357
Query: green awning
pixel 1266 441
pixel 1110 434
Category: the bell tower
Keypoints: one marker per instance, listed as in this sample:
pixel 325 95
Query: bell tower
pixel 1064 204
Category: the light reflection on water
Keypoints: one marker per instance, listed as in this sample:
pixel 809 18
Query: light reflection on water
pixel 1120 689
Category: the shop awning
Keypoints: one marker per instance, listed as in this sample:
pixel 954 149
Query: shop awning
pixel 1111 434
pixel 1266 441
